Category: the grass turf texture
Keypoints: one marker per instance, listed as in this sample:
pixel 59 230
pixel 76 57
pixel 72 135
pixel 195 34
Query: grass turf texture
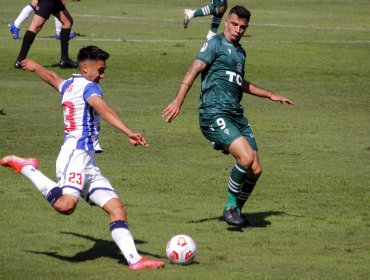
pixel 311 205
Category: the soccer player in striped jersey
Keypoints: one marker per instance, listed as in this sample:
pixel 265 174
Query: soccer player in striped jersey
pixel 77 172
pixel 217 8
pixel 221 63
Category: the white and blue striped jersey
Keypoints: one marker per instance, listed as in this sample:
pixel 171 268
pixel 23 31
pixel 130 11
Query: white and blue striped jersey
pixel 81 121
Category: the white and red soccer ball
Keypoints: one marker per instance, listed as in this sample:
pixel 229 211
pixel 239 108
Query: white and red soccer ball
pixel 181 249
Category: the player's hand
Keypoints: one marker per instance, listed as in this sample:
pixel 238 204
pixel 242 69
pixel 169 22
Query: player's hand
pixel 281 99
pixel 29 65
pixel 137 139
pixel 171 111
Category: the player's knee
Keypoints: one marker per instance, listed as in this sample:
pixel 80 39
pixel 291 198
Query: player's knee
pixel 118 212
pixel 115 209
pixel 65 211
pixel 246 160
pixel 65 206
pixel 257 171
pixel 221 10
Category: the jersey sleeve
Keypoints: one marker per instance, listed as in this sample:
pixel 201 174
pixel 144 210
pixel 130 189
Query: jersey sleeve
pixel 209 51
pixel 63 86
pixel 92 89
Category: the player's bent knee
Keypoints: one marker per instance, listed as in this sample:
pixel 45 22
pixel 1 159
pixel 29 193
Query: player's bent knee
pixel 65 205
pixel 246 161
pixel 257 172
pixel 115 209
pixel 221 10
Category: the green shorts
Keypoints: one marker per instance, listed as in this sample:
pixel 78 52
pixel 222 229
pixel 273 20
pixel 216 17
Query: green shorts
pixel 223 130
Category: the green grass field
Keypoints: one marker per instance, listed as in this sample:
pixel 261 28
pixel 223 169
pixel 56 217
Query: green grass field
pixel 311 205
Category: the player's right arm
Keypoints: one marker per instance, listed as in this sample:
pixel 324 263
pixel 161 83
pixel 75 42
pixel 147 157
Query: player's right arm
pixel 48 76
pixel 115 121
pixel 173 110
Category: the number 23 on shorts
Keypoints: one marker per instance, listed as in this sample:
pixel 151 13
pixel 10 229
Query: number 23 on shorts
pixel 75 178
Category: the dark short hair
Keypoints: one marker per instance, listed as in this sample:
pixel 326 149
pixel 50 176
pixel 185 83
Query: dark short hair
pixel 241 12
pixel 92 53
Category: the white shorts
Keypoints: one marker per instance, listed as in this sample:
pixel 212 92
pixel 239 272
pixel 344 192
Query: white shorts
pixel 78 175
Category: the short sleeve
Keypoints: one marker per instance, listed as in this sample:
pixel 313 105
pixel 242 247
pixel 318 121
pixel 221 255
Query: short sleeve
pixel 208 52
pixel 92 89
pixel 62 86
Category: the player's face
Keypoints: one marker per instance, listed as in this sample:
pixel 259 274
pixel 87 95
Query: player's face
pixel 235 28
pixel 94 70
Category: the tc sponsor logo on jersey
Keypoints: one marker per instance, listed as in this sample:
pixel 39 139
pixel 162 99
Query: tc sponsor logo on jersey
pixel 234 78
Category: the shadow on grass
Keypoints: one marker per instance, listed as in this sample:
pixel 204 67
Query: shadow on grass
pixel 101 248
pixel 256 219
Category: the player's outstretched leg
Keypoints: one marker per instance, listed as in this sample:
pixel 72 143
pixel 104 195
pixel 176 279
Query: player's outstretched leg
pixel 17 163
pixel 146 263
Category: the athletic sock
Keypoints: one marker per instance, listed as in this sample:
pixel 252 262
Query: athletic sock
pixel 245 192
pixel 25 14
pixel 47 187
pixel 64 42
pixel 206 11
pixel 236 181
pixel 27 42
pixel 216 21
pixel 122 237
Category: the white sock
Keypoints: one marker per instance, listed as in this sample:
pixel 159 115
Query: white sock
pixel 58 26
pixel 42 183
pixel 25 14
pixel 123 238
pixel 210 34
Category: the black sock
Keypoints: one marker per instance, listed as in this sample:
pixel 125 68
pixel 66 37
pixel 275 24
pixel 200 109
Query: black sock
pixel 28 39
pixel 64 43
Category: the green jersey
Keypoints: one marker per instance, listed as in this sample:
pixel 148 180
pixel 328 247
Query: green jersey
pixel 223 77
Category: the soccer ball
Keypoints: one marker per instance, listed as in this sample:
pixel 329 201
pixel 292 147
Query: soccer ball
pixel 181 249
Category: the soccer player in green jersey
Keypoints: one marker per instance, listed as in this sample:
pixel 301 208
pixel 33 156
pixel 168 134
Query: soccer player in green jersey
pixel 221 65
pixel 217 8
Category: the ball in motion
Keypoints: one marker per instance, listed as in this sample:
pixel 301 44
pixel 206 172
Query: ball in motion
pixel 181 249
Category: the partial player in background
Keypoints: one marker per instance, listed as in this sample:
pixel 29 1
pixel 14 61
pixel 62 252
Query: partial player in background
pixel 217 8
pixel 77 172
pixel 42 14
pixel 221 63
pixel 26 12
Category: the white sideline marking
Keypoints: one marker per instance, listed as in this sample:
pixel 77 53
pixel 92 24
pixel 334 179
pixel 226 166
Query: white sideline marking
pixel 249 41
pixel 256 24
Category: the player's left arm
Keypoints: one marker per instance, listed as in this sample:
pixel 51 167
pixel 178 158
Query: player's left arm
pixel 48 76
pixel 114 120
pixel 261 92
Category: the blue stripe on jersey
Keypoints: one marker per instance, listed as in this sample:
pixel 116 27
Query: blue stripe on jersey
pixel 86 142
pixel 92 89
